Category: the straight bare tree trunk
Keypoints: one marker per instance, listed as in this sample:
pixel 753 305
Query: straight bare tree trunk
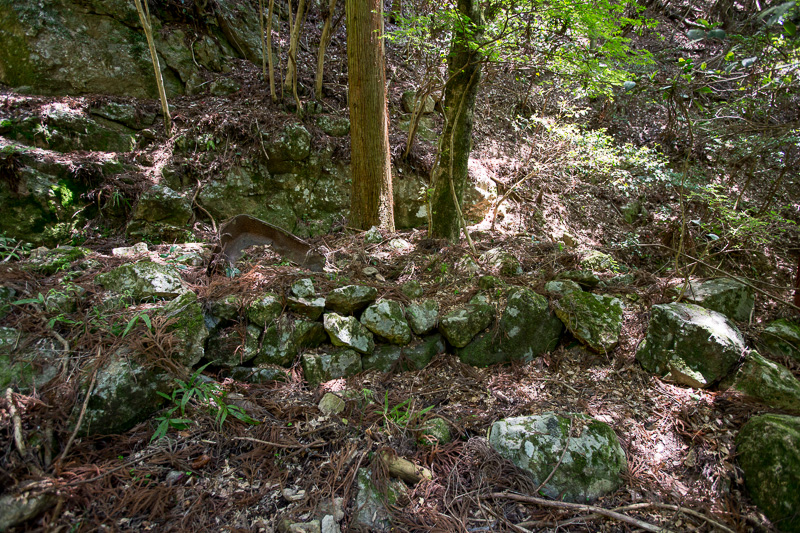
pixel 269 52
pixel 323 45
pixel 144 18
pixel 450 174
pixel 371 201
pixel 291 69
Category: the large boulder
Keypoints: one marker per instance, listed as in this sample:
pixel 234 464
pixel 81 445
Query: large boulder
pixel 768 449
pixel 591 466
pixel 695 346
pixel 385 319
pixel 264 309
pixel 527 329
pixel 767 382
pixel 423 316
pixel 143 280
pixel 460 325
pixel 285 338
pixel 161 214
pixel 185 321
pixel 732 298
pixel 594 319
pixel 350 299
pixel 781 338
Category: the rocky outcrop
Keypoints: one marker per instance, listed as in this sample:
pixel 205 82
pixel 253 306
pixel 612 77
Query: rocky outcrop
pixel 732 298
pixel 594 319
pixel 143 280
pixel 583 455
pixel 767 382
pixel 781 338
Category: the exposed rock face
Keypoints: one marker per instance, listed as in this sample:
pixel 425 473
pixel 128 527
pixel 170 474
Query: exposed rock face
pixel 144 280
pixel 767 382
pixel 725 295
pixel 185 315
pixel 95 46
pixel 233 347
pixel 695 346
pixel 769 453
pixel 264 309
pixel 372 504
pixel 527 329
pixel 385 319
pixel 594 319
pixel 161 214
pixel 590 468
pixel 461 325
pixel 284 339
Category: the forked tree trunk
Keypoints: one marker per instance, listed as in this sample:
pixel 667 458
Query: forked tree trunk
pixel 291 69
pixel 323 45
pixel 371 202
pixel 144 18
pixel 450 173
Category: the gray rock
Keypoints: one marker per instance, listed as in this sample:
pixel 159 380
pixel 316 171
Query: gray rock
pixel 435 431
pixel 125 393
pixel 143 280
pixel 161 214
pixel 412 289
pixel 781 338
pixel 259 374
pixel 591 466
pixel 185 321
pixel 348 332
pixel 318 368
pixel 634 211
pixel 302 288
pixel 695 346
pixel 125 114
pixel 284 339
pixel 294 144
pixel 331 404
pixel 562 287
pixel 311 308
pixel 585 279
pixel 383 358
pixel 372 505
pixel 594 319
pixel 226 308
pixel 461 325
pixel 527 329
pixel 423 316
pixel 373 235
pixel 58 260
pixel 725 295
pixel 350 299
pixel 385 319
pixel 598 261
pixel 414 356
pixel 767 382
pixel 329 525
pixel 408 99
pixel 768 450
pixel 29 366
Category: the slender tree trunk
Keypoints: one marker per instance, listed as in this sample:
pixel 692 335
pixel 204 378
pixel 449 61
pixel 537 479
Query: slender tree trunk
pixel 263 44
pixel 144 18
pixel 269 52
pixel 323 45
pixel 371 201
pixel 450 172
pixel 291 69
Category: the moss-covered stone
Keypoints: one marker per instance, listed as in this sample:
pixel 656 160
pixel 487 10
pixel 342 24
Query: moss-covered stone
pixel 7 295
pixel 724 295
pixel 598 261
pixel 334 126
pixel 591 466
pixel 501 262
pixel 186 322
pixel 695 346
pixel 585 279
pixel 259 374
pixel 527 329
pixel 285 338
pixel 462 324
pixel 768 448
pixel 562 287
pixel 227 308
pixel 265 309
pixel 125 393
pixel 781 338
pixel 161 214
pixel 233 346
pixel 372 505
pixel 350 299
pixel 423 316
pixel 385 319
pixel 595 320
pixel 767 382
pixel 435 431
pixel 143 280
pixel 318 368
pixel 58 259
pixel 417 355
pixel 347 331
pixel 412 289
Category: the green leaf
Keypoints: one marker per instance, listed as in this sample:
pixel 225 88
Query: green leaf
pixel 705 90
pixel 790 28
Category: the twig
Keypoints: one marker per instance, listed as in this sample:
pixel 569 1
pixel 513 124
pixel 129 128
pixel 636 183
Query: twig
pixel 61 457
pixel 677 508
pixel 12 410
pixel 581 507
pixel 315 444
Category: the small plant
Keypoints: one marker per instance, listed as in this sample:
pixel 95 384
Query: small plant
pixel 205 394
pixel 132 322
pixel 11 248
pixel 401 414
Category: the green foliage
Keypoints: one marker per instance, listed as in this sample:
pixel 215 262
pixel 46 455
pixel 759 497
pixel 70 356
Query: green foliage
pixel 11 248
pixel 203 394
pixel 401 414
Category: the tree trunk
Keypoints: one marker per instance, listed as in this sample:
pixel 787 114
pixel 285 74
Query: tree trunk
pixel 450 173
pixel 269 49
pixel 371 202
pixel 323 45
pixel 144 18
pixel 291 69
